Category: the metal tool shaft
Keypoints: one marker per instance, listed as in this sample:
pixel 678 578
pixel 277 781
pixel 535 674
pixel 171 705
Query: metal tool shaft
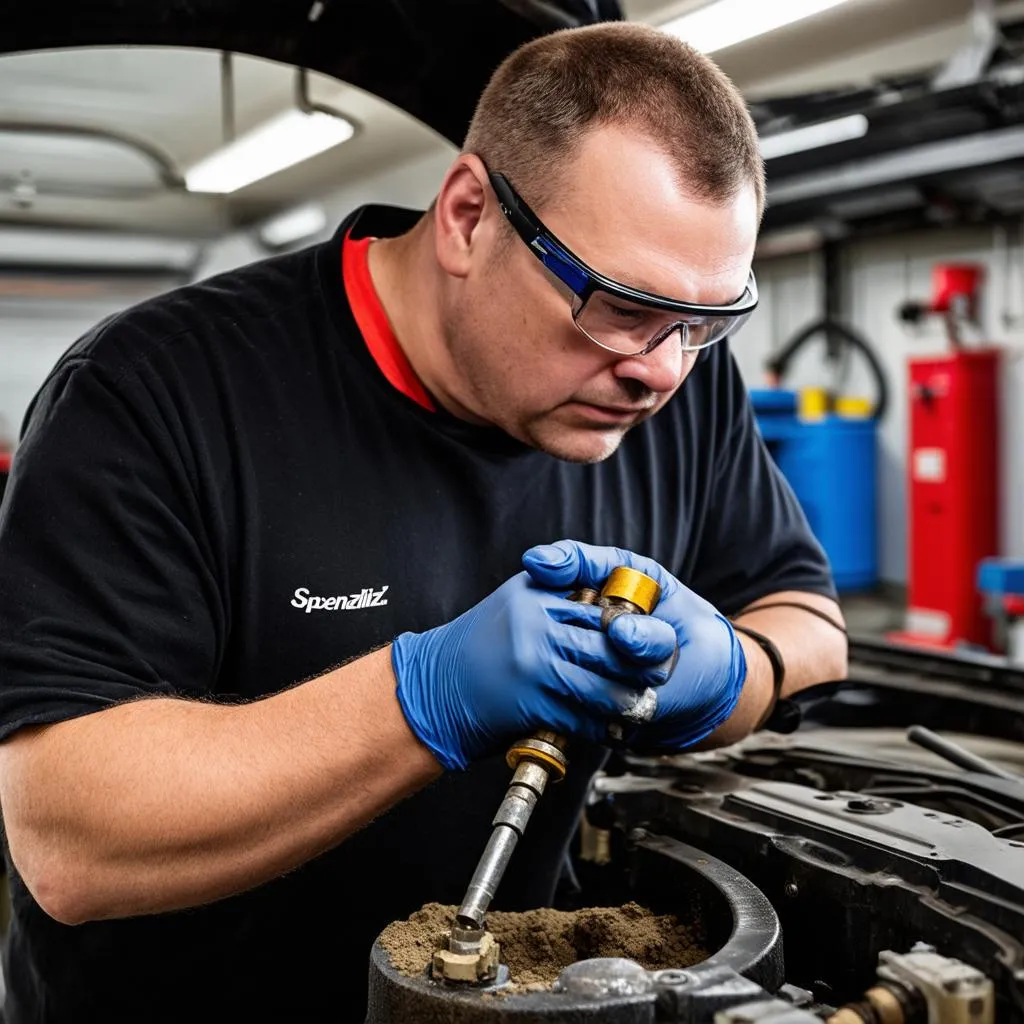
pixel 514 812
pixel 468 952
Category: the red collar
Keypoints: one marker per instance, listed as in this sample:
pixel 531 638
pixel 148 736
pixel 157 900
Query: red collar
pixel 373 323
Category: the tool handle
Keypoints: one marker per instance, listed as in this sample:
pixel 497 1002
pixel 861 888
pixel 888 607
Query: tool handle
pixel 633 594
pixel 625 591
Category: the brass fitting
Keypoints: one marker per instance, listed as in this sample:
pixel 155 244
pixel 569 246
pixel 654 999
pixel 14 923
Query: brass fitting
pixel 470 955
pixel 886 1004
pixel 630 586
pixel 544 748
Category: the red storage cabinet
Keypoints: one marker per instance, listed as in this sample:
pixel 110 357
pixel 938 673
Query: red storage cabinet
pixel 954 494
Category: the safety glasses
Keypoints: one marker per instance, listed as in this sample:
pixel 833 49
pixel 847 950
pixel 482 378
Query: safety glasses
pixel 613 315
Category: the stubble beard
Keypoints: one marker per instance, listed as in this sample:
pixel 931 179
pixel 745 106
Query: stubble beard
pixel 541 430
pixel 572 444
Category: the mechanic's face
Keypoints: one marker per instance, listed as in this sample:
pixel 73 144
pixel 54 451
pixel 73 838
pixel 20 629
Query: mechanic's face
pixel 519 361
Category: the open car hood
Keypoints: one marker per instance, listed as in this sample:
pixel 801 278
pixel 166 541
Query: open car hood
pixel 943 147
pixel 431 58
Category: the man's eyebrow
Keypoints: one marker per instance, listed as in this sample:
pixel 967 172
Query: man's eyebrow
pixel 638 284
pixel 641 285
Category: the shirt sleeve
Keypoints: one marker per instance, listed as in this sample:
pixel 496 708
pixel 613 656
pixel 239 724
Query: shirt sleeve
pixel 756 539
pixel 107 586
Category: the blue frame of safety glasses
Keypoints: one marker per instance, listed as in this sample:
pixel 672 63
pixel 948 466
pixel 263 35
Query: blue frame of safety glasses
pixel 583 281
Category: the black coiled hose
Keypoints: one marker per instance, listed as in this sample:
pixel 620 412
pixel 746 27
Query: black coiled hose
pixel 778 363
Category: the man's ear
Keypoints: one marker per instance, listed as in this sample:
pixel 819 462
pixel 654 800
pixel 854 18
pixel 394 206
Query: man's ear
pixel 459 212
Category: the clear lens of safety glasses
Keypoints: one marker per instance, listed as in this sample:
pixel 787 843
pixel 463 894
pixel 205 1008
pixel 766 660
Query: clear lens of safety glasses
pixel 631 329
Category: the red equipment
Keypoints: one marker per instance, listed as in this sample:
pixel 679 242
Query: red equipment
pixel 954 470
pixel 955 289
pixel 953 285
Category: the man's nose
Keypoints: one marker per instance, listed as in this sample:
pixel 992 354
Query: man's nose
pixel 661 370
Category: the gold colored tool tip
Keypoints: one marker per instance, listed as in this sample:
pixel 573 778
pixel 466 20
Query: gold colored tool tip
pixel 633 586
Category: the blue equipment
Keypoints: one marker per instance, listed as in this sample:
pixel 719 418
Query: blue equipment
pixel 830 462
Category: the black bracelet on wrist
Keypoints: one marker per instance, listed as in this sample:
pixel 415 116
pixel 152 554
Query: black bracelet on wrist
pixel 781 715
pixel 796 604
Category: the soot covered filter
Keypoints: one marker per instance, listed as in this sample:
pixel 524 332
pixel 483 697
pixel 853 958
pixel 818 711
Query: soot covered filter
pixel 738 922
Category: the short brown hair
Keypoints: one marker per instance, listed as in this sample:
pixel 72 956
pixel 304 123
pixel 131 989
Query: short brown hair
pixel 547 94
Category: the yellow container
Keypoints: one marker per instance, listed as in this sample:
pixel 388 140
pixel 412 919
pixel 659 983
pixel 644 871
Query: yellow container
pixel 813 403
pixel 852 407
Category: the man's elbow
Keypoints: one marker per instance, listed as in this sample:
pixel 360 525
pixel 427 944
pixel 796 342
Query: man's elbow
pixel 52 877
pixel 61 902
pixel 47 850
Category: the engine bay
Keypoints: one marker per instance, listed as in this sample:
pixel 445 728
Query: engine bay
pixel 864 843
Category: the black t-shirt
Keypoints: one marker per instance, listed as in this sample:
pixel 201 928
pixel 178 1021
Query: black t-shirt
pixel 193 473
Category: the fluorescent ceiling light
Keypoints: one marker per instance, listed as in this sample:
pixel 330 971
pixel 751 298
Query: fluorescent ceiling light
pixel 984 149
pixel 293 225
pixel 99 249
pixel 287 139
pixel 841 129
pixel 727 22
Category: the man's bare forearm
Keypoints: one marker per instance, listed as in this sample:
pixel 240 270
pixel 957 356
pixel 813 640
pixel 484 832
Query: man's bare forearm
pixel 162 804
pixel 813 651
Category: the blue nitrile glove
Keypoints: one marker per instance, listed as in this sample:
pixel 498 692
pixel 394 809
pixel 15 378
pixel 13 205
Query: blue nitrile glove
pixel 705 682
pixel 524 658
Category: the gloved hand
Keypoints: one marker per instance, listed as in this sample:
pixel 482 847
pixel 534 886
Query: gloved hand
pixel 522 659
pixel 702 688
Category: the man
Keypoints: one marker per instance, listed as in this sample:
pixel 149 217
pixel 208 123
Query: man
pixel 225 493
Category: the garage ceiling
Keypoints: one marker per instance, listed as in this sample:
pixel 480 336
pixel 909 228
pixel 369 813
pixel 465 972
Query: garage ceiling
pixel 171 99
